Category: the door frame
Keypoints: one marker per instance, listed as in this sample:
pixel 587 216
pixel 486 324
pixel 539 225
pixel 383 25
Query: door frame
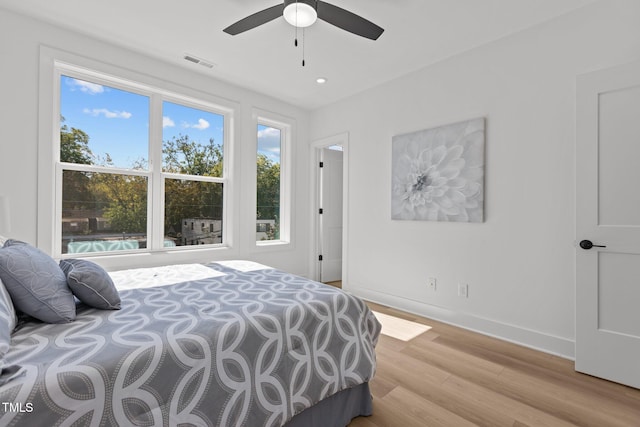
pixel 341 139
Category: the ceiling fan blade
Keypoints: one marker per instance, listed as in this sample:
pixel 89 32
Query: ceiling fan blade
pixel 255 20
pixel 348 21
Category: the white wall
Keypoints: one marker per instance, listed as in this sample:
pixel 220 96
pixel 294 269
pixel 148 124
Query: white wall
pixel 520 262
pixel 21 39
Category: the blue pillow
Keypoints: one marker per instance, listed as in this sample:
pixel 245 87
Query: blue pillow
pixel 35 283
pixel 91 284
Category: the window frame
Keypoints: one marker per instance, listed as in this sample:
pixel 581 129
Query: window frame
pixel 49 158
pixel 286 127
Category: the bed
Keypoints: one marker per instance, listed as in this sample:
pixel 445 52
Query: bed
pixel 230 343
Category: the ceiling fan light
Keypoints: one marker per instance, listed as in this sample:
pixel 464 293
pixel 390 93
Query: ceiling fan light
pixel 300 14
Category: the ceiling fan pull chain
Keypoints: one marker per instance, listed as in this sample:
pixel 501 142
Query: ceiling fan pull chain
pixel 295 43
pixel 302 33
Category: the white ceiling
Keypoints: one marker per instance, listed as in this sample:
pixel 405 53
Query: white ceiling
pixel 417 33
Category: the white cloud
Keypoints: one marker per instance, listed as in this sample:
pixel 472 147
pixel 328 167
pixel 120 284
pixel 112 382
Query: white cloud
pixel 269 143
pixel 167 122
pixel 269 133
pixel 107 113
pixel 202 124
pixel 269 140
pixel 87 87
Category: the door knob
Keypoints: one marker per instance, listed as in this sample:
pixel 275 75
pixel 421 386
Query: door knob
pixel 588 244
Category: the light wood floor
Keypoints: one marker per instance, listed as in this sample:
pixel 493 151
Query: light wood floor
pixel 451 377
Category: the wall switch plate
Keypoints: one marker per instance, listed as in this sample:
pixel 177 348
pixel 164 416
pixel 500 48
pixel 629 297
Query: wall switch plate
pixel 463 290
pixel 432 283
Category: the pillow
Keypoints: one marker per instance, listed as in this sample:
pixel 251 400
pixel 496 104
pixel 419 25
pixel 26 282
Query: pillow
pixel 91 284
pixel 35 283
pixel 12 242
pixel 8 322
pixel 8 314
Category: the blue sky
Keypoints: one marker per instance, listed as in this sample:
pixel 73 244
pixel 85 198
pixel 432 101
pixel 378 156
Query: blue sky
pixel 269 142
pixel 117 121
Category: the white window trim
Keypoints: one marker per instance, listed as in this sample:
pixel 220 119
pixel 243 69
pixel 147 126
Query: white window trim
pixel 55 62
pixel 287 127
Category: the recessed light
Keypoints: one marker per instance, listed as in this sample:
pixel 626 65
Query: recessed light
pixel 321 80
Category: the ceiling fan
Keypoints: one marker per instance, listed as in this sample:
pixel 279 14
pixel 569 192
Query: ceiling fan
pixel 302 13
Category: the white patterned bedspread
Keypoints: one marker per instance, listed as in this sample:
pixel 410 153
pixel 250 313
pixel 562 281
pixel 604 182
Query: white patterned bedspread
pixel 227 344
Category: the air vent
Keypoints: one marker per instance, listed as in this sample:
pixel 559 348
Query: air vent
pixel 200 61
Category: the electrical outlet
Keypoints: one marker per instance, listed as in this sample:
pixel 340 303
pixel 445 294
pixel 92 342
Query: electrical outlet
pixel 432 283
pixel 463 290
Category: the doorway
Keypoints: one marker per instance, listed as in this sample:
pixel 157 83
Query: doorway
pixel 330 209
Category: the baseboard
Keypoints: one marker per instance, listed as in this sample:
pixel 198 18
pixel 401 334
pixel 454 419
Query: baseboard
pixel 558 346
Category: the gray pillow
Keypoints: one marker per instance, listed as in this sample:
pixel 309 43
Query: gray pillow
pixel 91 284
pixel 8 320
pixel 35 283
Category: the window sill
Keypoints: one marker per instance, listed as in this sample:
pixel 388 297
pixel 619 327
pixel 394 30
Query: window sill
pixel 273 245
pixel 136 259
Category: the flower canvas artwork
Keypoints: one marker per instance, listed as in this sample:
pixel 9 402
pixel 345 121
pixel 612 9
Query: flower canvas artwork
pixel 438 173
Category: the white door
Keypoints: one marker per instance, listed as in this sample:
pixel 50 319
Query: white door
pixel 331 217
pixel 608 214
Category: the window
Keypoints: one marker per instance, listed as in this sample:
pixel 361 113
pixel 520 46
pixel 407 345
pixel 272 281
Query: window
pixel 272 204
pixel 104 146
pixel 193 169
pixel 268 182
pixel 125 149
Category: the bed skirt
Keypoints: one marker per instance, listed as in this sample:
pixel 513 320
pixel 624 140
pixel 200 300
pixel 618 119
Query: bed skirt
pixel 337 410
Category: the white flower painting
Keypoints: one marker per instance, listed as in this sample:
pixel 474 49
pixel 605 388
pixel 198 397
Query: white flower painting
pixel 438 174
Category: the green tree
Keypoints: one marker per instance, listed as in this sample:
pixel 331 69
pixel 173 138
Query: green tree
pixel 76 192
pixel 268 193
pixel 184 156
pixel 268 186
pixel 74 145
pixel 124 198
pixel 188 198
